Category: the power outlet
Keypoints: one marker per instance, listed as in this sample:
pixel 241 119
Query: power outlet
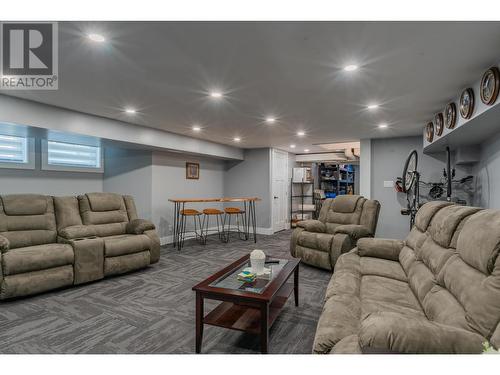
pixel 388 184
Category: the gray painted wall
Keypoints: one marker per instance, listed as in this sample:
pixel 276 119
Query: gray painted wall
pixel 251 178
pixel 387 158
pixel 169 181
pixel 488 174
pixel 130 172
pixel 15 181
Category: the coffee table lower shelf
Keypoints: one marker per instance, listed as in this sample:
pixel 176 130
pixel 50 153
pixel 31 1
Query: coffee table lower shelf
pixel 245 318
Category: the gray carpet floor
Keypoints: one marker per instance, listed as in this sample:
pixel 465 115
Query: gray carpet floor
pixel 152 310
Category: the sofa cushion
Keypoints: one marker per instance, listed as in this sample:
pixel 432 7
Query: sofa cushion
pixel 426 213
pixel 369 217
pixel 382 267
pixel 446 221
pixel 139 226
pixel 35 258
pixel 24 204
pixel 340 318
pixel 24 284
pixel 125 244
pixel 31 226
pixel 345 203
pixel 387 332
pixel 91 217
pixel 442 307
pixel 380 248
pixel 130 206
pixel 354 230
pixel 347 276
pixel 318 241
pixel 345 218
pixel 479 241
pixel 67 212
pixel 126 263
pixel 100 202
pixel 312 226
pixel 78 231
pixel 433 255
pixel 388 290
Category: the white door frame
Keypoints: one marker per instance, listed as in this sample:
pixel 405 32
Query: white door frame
pixel 271 188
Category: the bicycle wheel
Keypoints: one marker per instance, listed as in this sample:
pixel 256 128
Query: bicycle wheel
pixel 408 171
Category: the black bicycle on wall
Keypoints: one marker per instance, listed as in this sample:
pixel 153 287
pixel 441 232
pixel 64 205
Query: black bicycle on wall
pixel 410 184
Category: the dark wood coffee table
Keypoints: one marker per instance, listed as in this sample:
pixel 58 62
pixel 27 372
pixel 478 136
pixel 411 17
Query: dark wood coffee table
pixel 251 308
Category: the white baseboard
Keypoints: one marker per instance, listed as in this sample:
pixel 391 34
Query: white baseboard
pixel 170 238
pixel 265 231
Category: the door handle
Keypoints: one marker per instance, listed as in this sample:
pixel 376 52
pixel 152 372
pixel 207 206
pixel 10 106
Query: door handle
pixel 276 197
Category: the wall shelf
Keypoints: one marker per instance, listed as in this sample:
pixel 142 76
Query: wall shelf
pixel 473 132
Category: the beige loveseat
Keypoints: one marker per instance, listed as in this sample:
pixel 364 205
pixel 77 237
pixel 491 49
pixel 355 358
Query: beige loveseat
pixel 342 222
pixel 51 242
pixel 436 292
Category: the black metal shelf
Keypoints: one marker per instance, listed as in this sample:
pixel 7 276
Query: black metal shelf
pixel 302 197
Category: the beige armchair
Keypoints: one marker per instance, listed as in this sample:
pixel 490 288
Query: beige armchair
pixel 342 221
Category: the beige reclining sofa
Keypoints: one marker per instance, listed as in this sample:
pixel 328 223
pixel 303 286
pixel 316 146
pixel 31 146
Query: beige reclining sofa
pixel 51 242
pixel 342 221
pixel 436 292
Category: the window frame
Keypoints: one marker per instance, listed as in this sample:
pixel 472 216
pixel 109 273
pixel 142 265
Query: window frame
pixel 69 168
pixel 30 155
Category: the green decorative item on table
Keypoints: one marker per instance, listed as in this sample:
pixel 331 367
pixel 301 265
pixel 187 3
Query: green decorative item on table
pixel 488 349
pixel 247 276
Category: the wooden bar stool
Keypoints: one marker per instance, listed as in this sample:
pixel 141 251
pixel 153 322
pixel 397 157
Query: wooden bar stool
pixel 195 214
pixel 207 213
pixel 240 214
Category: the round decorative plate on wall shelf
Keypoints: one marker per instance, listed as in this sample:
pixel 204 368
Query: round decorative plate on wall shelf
pixel 467 103
pixel 438 121
pixel 450 115
pixel 429 132
pixel 490 84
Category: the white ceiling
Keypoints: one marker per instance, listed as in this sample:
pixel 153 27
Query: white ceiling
pixel 292 70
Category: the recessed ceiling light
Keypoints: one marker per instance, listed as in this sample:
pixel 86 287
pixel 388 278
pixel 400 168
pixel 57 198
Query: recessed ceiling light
pixel 306 150
pixel 97 38
pixel 270 120
pixel 382 126
pixel 130 110
pixel 236 139
pixel 350 68
pixel 216 94
pixel 301 133
pixel 292 146
pixel 373 106
pixel 196 128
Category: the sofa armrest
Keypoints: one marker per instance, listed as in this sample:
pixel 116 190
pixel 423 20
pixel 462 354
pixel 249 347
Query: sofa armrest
pixel 4 244
pixel 354 231
pixel 312 226
pixel 388 332
pixel 383 248
pixel 139 226
pixel 77 231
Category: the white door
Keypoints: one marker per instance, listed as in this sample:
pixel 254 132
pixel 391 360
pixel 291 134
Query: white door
pixel 280 190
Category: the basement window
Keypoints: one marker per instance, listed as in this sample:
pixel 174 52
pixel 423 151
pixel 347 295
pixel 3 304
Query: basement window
pixel 16 152
pixel 71 157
